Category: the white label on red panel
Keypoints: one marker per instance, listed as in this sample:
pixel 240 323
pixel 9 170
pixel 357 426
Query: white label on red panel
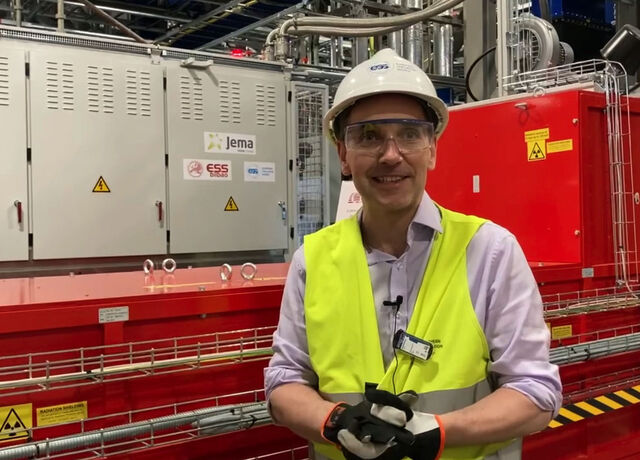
pixel 206 169
pixel 113 314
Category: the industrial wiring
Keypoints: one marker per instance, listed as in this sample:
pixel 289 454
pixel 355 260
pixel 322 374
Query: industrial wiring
pixel 471 67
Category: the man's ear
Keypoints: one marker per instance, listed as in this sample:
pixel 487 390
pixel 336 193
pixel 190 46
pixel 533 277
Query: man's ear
pixel 431 165
pixel 342 153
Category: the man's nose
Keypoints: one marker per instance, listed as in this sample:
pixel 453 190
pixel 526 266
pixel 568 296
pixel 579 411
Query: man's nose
pixel 390 153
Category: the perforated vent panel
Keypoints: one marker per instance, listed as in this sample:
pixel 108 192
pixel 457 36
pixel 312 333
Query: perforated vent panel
pixel 265 105
pixel 60 85
pixel 230 101
pixel 4 81
pixel 191 99
pixel 138 92
pixel 100 89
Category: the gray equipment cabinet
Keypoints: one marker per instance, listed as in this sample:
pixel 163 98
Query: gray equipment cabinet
pixel 14 228
pixel 98 172
pixel 227 158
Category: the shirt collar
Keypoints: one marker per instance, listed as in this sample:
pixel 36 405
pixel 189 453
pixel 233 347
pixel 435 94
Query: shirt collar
pixel 428 214
pixel 426 220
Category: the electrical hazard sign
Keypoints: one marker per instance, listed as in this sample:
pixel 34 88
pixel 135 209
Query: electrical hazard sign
pixel 537 150
pixel 231 205
pixel 16 421
pixel 101 186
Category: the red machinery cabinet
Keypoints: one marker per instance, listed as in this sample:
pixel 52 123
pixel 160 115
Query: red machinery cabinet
pixel 539 166
pixel 132 348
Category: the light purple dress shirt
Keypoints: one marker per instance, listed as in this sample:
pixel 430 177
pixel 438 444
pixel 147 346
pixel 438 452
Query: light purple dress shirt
pixel 503 291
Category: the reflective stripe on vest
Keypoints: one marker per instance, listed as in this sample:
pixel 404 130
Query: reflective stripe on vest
pixel 342 330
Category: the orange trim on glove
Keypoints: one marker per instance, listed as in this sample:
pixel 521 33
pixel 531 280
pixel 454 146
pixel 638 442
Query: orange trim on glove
pixel 442 437
pixel 324 423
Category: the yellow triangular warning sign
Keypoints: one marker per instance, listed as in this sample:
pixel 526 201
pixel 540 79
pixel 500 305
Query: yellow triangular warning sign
pixel 101 186
pixel 13 427
pixel 536 150
pixel 231 205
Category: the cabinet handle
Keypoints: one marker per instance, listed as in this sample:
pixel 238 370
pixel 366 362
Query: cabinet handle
pixel 18 205
pixel 160 210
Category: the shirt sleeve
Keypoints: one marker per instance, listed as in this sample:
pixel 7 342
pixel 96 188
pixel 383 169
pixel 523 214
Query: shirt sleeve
pixel 509 309
pixel 290 362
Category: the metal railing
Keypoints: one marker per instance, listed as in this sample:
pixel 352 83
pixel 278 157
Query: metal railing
pixel 108 435
pixel 31 372
pixel 591 301
pixel 591 345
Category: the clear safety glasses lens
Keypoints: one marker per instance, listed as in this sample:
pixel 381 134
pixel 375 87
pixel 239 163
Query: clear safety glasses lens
pixel 371 136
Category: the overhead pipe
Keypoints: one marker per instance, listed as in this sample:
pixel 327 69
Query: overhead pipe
pixel 60 16
pixel 358 27
pixel 111 20
pixel 17 7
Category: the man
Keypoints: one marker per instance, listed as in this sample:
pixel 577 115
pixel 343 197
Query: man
pixel 454 291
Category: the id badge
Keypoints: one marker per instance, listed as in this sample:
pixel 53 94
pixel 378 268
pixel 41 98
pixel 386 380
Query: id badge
pixel 412 345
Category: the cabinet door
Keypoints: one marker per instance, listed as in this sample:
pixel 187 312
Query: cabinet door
pixel 98 163
pixel 14 228
pixel 227 159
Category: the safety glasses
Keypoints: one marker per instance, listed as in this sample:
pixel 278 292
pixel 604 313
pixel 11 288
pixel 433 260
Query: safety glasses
pixel 370 137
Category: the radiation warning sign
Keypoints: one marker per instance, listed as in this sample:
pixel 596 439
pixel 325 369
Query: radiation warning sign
pixel 101 186
pixel 537 150
pixel 231 205
pixel 16 420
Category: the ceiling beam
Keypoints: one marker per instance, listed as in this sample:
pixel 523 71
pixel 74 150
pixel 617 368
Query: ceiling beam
pixel 185 29
pixel 261 22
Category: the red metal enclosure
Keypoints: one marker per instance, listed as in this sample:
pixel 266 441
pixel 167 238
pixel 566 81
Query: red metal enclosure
pixel 559 206
pixel 216 334
pixel 179 311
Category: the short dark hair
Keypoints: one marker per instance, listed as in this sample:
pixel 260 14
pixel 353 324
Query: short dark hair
pixel 340 121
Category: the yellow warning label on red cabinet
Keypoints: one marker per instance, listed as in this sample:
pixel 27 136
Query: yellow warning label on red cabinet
pixel 536 135
pixel 536 150
pixel 560 146
pixel 561 332
pixel 16 420
pixel 63 413
pixel 101 186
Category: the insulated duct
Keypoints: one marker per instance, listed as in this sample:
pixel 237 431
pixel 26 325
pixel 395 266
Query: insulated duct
pixel 443 49
pixel 413 36
pixel 365 27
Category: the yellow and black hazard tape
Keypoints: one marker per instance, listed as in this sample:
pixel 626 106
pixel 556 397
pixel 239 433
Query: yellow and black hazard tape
pixel 596 406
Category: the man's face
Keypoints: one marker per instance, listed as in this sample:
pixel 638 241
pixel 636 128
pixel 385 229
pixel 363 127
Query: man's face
pixel 389 181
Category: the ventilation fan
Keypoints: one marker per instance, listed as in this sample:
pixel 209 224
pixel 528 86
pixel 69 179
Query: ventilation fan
pixel 538 46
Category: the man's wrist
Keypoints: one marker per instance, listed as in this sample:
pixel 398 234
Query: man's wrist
pixel 329 429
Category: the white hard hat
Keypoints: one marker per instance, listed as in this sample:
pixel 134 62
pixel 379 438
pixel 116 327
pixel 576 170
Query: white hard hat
pixel 385 72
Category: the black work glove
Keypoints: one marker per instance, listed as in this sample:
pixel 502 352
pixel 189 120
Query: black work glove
pixel 362 435
pixel 427 428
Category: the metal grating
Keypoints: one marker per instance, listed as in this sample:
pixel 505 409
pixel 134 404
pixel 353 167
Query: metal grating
pixel 265 105
pixel 309 161
pixel 191 98
pixel 4 81
pixel 138 84
pixel 60 86
pixel 100 89
pixel 230 101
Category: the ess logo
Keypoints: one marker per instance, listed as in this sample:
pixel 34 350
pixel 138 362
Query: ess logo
pixel 253 171
pixel 218 170
pixel 376 67
pixel 195 169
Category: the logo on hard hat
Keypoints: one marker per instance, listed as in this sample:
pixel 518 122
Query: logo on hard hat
pixel 379 67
